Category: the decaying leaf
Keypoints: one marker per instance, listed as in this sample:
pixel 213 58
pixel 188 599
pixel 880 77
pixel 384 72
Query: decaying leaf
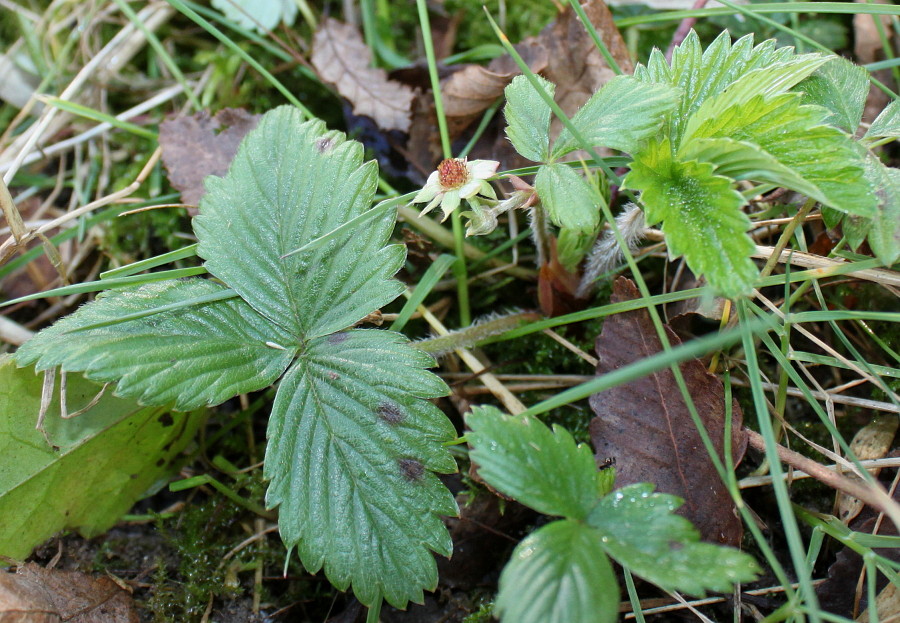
pixel 342 59
pixel 37 595
pixel 196 146
pixel 646 427
pixel 872 441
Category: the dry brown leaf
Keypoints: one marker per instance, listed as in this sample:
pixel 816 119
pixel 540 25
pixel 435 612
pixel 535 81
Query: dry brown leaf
pixel 342 59
pixel 867 48
pixel 646 427
pixel 199 145
pixel 872 441
pixel 37 595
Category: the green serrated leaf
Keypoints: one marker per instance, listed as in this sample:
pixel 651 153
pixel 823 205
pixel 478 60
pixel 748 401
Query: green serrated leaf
pixel 741 160
pixel 194 356
pixel 523 459
pixel 640 530
pixel 290 183
pixel 700 214
pixel 620 115
pixel 559 574
pixel 886 124
pixel 884 232
pixel 841 87
pixel 700 75
pixel 352 445
pixel 105 459
pixel 528 118
pixel 569 199
pixel 797 136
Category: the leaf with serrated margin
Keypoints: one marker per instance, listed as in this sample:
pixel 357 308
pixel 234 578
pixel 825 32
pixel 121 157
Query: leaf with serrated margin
pixel 640 530
pixel 741 160
pixel 194 356
pixel 528 118
pixel 290 183
pixel 765 82
pixel 700 214
pixel 884 233
pixel 352 445
pixel 622 114
pixel 701 75
pixel 841 87
pixel 569 199
pixel 886 124
pixel 540 468
pixel 559 574
pixel 797 136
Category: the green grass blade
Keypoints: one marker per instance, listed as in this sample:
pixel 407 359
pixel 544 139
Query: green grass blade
pixel 150 262
pixel 423 288
pixel 96 115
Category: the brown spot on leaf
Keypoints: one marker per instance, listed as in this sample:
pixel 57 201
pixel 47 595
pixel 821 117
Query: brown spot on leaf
pixel 411 469
pixel 390 413
pixel 338 338
pixel 324 144
pixel 166 419
pixel 646 425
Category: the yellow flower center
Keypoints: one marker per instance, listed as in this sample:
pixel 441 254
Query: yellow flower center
pixel 452 173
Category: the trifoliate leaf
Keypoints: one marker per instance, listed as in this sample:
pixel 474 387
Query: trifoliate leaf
pixel 290 183
pixel 523 459
pixel 260 16
pixel 559 574
pixel 620 115
pixel 700 75
pixel 528 118
pixel 194 356
pixel 884 232
pixel 640 530
pixel 99 464
pixel 841 87
pixel 351 449
pixel 886 124
pixel 569 199
pixel 700 215
pixel 797 136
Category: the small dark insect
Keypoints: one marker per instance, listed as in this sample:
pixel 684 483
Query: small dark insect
pixel 390 413
pixel 411 469
pixel 607 463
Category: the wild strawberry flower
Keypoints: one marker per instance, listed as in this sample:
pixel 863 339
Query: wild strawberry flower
pixel 454 180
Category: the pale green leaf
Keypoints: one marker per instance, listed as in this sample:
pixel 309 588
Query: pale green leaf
pixel 572 245
pixel 700 214
pixel 620 115
pixel 840 87
pixel 765 83
pixel 741 160
pixel 559 574
pixel 522 458
pixel 352 446
pixel 569 199
pixel 797 136
pixel 886 124
pixel 528 117
pixel 194 356
pixel 104 460
pixel 290 183
pixel 702 74
pixel 259 16
pixel 640 530
pixel 884 232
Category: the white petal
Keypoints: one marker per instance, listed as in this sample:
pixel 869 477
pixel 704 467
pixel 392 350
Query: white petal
pixel 482 169
pixel 469 189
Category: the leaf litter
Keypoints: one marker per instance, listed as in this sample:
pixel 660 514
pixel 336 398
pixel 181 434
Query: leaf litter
pixel 645 425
